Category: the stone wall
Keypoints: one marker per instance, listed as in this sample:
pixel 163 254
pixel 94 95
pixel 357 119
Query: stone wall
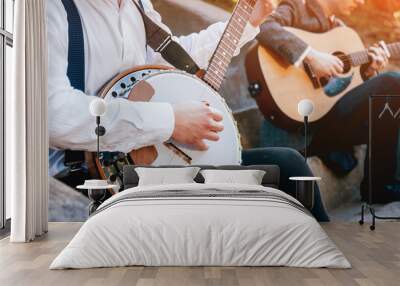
pixel 65 203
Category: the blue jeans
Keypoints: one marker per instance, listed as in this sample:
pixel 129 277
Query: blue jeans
pixel 346 125
pixel 291 164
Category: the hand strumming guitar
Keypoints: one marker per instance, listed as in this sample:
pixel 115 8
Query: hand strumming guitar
pixel 324 64
pixel 327 65
pixel 195 122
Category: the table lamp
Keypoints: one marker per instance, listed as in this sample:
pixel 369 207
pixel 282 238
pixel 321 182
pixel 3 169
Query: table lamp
pixel 97 188
pixel 98 108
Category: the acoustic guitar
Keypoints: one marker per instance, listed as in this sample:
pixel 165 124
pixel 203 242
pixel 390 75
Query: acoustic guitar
pixel 163 84
pixel 278 87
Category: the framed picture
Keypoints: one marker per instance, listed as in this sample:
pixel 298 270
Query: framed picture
pixel 384 148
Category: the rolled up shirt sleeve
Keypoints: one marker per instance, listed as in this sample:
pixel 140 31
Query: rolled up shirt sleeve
pixel 201 45
pixel 137 124
pixel 129 125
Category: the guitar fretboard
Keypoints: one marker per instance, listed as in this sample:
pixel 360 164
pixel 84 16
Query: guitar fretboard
pixel 362 57
pixel 228 44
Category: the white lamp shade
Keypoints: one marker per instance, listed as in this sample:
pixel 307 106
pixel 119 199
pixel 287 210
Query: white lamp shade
pixel 305 107
pixel 98 107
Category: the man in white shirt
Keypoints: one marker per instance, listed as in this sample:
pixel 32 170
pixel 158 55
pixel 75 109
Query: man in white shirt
pixel 114 40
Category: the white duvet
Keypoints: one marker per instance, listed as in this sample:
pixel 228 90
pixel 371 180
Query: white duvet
pixel 202 231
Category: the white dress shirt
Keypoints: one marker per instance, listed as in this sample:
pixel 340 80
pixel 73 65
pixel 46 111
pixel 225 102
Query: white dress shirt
pixel 114 40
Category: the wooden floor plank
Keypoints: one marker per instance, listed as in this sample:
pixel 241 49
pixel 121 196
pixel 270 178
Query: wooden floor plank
pixel 375 257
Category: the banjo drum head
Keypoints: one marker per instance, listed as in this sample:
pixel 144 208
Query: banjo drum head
pixel 175 86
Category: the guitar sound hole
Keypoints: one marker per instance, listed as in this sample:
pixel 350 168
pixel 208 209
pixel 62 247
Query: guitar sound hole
pixel 347 67
pixel 324 81
pixel 345 60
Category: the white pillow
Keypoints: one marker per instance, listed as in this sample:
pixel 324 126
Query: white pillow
pixel 248 177
pixel 163 176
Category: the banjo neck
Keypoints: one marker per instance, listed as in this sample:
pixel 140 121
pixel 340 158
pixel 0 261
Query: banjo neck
pixel 228 44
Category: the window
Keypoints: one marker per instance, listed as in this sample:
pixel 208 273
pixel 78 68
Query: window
pixel 6 64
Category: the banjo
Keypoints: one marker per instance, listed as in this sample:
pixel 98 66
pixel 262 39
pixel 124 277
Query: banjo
pixel 164 84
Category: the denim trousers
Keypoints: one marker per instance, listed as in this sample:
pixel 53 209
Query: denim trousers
pixel 291 164
pixel 347 124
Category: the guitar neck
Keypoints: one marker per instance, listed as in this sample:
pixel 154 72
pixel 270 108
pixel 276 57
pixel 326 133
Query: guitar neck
pixel 228 44
pixel 362 57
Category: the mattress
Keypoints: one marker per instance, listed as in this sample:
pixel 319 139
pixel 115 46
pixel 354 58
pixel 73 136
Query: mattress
pixel 201 225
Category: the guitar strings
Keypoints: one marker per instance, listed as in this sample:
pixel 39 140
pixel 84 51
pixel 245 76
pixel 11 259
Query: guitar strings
pixel 345 59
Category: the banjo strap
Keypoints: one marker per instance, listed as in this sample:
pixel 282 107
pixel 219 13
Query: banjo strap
pixel 162 42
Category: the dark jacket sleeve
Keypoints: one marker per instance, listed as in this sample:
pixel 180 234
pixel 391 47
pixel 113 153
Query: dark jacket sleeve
pixel 276 38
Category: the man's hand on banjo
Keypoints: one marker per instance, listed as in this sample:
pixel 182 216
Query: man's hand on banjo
pixel 196 122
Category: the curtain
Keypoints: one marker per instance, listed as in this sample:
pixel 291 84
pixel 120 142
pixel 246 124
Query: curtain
pixel 26 124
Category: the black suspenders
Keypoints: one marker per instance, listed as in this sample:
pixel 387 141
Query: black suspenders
pixel 76 49
pixel 75 70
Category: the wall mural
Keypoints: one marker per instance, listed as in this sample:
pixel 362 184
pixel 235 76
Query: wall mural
pixel 353 56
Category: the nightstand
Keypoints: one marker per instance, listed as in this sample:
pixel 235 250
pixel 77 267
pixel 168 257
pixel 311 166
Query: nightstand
pixel 97 190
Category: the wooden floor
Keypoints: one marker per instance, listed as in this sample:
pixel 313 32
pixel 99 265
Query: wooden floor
pixel 375 257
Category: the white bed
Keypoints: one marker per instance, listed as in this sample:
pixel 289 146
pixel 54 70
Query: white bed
pixel 249 225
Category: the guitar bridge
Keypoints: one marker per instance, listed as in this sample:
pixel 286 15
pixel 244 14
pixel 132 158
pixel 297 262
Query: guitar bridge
pixel 310 73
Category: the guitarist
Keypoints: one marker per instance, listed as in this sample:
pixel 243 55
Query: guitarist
pixel 346 125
